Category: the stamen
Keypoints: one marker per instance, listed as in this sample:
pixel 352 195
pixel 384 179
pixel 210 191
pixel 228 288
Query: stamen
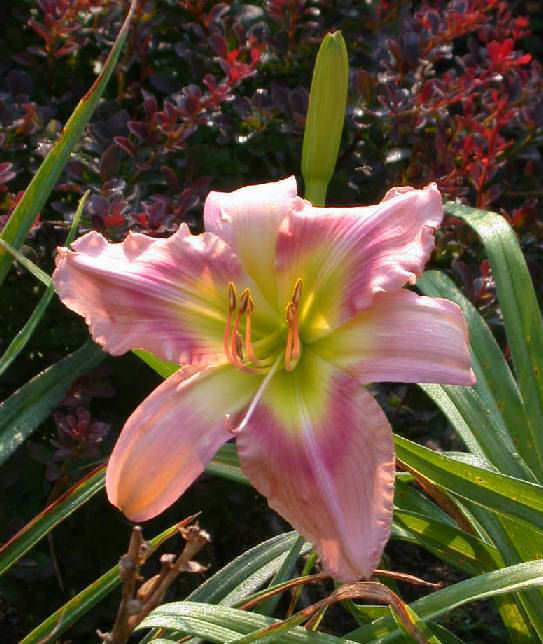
pixel 239 347
pixel 258 396
pixel 291 317
pixel 228 329
pixel 249 350
pixel 297 293
pixel 295 355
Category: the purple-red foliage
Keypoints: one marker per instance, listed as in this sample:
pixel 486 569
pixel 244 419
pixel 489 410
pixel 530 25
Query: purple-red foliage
pixel 440 90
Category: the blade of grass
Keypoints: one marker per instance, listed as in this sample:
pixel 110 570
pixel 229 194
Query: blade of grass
pixel 23 336
pixel 521 316
pixel 43 182
pixel 25 409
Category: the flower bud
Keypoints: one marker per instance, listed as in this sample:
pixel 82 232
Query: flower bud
pixel 325 116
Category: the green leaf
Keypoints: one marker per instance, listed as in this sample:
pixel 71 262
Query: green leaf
pixel 43 182
pixel 521 316
pixel 410 498
pixel 83 602
pixel 500 493
pixel 523 576
pixel 32 268
pixel 162 367
pixel 51 516
pixel 458 548
pixel 516 542
pixel 221 624
pixel 226 464
pixel 243 576
pixel 25 409
pixel 237 580
pixel 23 336
pixel 285 571
pixel 490 417
pixel 223 464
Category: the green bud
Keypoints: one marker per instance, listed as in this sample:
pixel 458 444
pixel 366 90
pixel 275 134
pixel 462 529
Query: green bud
pixel 325 116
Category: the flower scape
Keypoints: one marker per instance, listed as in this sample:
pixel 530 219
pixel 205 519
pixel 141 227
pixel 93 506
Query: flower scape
pixel 279 315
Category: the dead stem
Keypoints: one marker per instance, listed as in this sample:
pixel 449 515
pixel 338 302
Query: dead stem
pixel 138 600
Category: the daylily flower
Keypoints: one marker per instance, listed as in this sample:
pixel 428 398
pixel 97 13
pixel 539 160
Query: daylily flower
pixel 280 314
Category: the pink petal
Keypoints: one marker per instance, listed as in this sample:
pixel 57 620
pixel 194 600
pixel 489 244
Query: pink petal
pixel 320 449
pixel 248 220
pixel 347 255
pixel 168 296
pixel 169 439
pixel 403 337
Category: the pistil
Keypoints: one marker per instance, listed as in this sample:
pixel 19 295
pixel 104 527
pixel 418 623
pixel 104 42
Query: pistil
pixel 257 397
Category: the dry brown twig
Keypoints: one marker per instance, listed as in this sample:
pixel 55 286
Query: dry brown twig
pixel 138 600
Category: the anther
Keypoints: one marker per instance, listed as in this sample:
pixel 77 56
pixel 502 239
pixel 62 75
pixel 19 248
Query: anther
pixel 244 301
pixel 249 308
pixel 297 293
pixel 231 297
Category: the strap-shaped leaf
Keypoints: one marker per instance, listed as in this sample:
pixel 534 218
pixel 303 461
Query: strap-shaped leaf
pixel 516 542
pixel 51 516
pixel 229 585
pixel 233 580
pixel 458 548
pixel 203 620
pixel 490 417
pixel 523 576
pixel 521 315
pixel 25 409
pixel 225 463
pixel 23 336
pixel 43 182
pixel 499 493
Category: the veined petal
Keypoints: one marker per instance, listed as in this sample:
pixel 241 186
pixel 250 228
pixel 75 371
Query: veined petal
pixel 346 256
pixel 169 439
pixel 403 337
pixel 248 220
pixel 320 449
pixel 164 295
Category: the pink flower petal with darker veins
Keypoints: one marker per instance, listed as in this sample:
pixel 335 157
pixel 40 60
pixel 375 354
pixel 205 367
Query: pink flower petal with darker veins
pixel 403 337
pixel 168 296
pixel 173 434
pixel 326 465
pixel 347 255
